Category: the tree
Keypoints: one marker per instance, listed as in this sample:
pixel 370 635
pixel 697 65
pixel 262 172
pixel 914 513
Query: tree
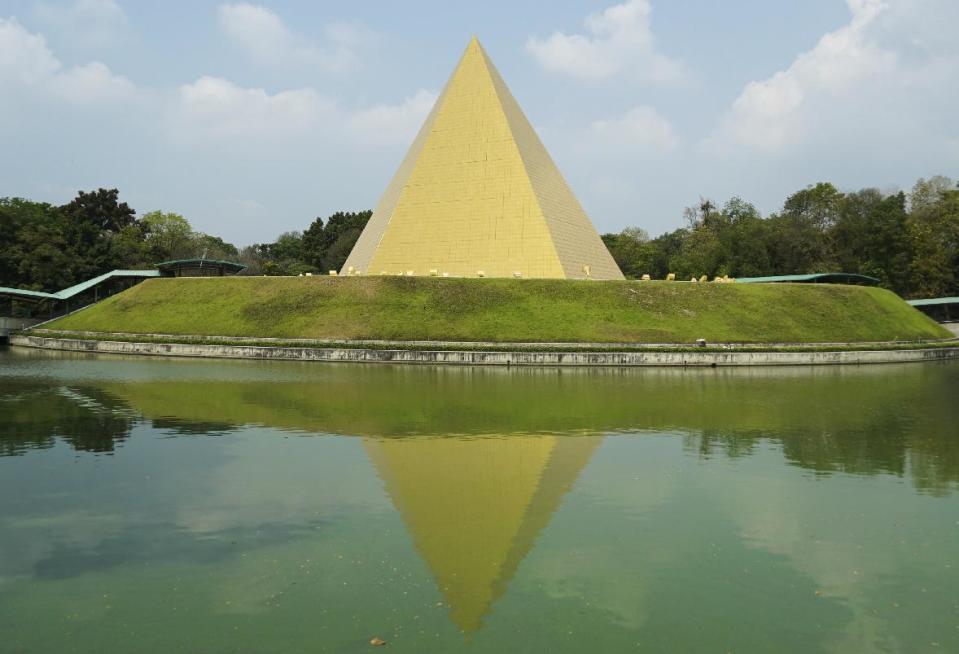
pixel 90 221
pixel 282 257
pixel 815 205
pixel 927 193
pixel 327 245
pixel 744 240
pixel 249 257
pixel 631 251
pixel 801 230
pixel 45 260
pixel 168 236
pixel 213 247
pixel 288 247
pixel 131 247
pixel 933 226
pixel 314 243
pixel 49 248
pixel 912 247
pixel 337 253
pixel 17 215
pixel 888 248
pixel 100 209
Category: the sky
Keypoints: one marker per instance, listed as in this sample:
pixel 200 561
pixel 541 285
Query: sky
pixel 251 119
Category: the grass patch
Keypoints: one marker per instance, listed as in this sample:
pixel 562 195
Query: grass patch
pixel 505 310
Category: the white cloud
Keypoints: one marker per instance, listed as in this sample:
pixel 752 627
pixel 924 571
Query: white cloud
pixel 216 107
pixel 26 60
pixel 91 23
pixel 641 127
pixel 268 41
pixel 387 124
pixel 92 83
pixel 24 57
pixel 781 110
pixel 617 41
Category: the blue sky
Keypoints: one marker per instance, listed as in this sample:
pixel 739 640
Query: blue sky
pixel 253 118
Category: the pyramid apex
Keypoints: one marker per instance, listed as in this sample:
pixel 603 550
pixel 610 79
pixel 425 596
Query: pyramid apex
pixel 478 194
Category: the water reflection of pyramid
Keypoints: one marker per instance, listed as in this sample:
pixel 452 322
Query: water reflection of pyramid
pixel 475 507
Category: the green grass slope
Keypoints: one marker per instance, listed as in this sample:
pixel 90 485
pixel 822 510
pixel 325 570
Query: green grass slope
pixel 399 308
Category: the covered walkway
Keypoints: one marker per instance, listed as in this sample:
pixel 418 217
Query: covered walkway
pixel 942 309
pixel 813 278
pixel 19 303
pixel 26 304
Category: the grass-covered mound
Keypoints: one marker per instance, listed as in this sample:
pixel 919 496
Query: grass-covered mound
pixel 402 308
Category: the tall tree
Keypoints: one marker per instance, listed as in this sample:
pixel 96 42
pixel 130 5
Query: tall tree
pixel 90 223
pixel 802 243
pixel 327 245
pixel 168 236
pixel 888 247
pixel 934 236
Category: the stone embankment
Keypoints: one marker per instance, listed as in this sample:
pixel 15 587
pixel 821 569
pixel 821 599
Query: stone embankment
pixel 8 325
pixel 678 356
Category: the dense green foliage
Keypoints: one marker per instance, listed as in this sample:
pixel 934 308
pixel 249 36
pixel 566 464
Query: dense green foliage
pixel 404 308
pixel 321 248
pixel 47 248
pixel 910 243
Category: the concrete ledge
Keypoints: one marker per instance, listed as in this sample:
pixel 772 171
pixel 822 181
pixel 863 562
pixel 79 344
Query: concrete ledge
pixel 490 358
pixel 499 346
pixel 8 325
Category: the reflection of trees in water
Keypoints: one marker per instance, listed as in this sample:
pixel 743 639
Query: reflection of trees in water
pixel 732 444
pixel 934 464
pixel 858 421
pixel 892 445
pixel 192 427
pixel 35 415
pixel 899 428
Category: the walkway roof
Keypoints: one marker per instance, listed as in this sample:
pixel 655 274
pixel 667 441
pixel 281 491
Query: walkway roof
pixel 231 265
pixel 76 289
pixel 814 278
pixel 934 301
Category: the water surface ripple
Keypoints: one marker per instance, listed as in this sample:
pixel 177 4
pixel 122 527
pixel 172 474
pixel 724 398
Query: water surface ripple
pixel 149 505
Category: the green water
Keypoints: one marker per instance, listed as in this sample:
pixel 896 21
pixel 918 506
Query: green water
pixel 191 506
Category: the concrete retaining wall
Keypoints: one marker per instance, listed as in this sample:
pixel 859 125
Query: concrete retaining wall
pixel 481 358
pixel 497 346
pixel 8 325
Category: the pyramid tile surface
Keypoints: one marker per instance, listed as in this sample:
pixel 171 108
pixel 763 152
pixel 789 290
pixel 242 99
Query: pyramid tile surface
pixel 477 191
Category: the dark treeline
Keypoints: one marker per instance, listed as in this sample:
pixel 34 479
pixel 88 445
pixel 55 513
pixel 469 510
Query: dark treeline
pixel 45 247
pixel 910 242
pixel 321 248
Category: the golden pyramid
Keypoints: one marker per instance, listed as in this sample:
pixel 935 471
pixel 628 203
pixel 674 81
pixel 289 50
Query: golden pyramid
pixel 475 507
pixel 478 195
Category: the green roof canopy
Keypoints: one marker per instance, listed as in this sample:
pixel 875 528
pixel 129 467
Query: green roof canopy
pixel 936 301
pixel 67 293
pixel 814 278
pixel 182 263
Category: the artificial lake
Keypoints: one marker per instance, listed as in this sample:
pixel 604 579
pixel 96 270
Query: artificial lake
pixel 151 505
